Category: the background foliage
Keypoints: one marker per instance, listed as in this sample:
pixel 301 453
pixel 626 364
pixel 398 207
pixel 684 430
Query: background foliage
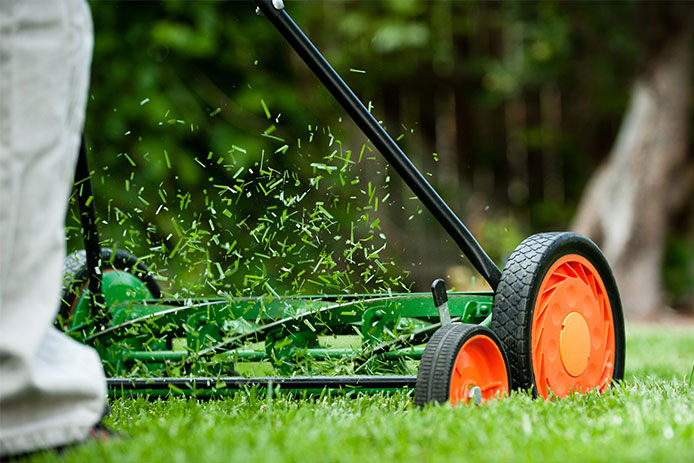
pixel 197 108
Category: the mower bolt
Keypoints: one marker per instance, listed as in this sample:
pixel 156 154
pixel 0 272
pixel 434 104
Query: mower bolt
pixel 475 394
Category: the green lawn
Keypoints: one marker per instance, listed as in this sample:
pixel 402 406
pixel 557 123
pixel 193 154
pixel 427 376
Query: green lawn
pixel 650 417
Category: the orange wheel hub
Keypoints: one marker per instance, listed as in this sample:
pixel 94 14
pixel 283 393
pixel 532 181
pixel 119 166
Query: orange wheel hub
pixel 573 339
pixel 479 364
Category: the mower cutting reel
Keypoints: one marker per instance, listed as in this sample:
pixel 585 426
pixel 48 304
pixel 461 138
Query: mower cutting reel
pixel 553 323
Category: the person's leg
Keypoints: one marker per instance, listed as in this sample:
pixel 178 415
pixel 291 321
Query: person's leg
pixel 52 389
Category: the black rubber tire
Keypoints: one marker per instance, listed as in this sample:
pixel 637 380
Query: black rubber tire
pixel 438 359
pixel 75 275
pixel 514 300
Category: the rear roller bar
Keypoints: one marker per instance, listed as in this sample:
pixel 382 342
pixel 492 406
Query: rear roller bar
pixel 236 382
pixel 275 12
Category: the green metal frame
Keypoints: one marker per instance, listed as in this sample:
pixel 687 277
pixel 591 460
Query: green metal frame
pixel 363 334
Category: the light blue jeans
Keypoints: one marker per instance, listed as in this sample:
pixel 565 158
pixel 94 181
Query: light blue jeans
pixel 52 389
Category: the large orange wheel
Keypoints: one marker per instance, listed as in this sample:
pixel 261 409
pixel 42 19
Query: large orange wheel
pixel 462 363
pixel 558 314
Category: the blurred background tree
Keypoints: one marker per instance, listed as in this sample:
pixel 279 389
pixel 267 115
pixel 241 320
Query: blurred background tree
pixel 508 107
pixel 645 183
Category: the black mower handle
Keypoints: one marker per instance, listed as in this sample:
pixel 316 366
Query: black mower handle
pixel 275 12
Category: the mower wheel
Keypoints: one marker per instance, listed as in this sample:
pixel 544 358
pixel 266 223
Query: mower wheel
pixel 559 317
pixel 75 277
pixel 461 363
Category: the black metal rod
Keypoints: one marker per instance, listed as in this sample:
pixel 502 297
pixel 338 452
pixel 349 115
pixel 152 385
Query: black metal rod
pixel 90 231
pixel 382 141
pixel 237 382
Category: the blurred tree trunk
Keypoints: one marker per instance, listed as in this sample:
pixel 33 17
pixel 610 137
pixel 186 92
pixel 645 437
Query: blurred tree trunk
pixel 629 201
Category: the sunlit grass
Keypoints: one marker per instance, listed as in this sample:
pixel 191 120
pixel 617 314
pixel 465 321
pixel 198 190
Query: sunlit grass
pixel 650 417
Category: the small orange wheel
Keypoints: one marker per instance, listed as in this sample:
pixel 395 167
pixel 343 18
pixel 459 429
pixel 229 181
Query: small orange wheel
pixel 558 313
pixel 462 363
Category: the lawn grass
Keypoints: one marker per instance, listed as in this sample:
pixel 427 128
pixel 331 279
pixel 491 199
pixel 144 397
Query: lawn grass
pixel 650 417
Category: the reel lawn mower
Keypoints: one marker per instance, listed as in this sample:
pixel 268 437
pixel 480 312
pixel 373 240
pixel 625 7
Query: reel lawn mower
pixel 552 324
